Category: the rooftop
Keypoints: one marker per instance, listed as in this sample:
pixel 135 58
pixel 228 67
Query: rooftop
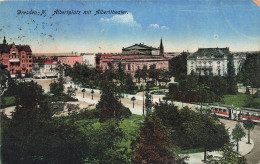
pixel 210 53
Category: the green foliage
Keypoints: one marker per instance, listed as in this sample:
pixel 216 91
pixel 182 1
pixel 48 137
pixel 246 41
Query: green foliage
pixel 57 88
pixel 191 129
pixel 248 125
pixel 249 74
pixel 238 133
pixel 138 75
pixel 28 94
pixel 34 136
pixel 61 140
pixel 230 66
pixel 144 73
pixel 110 107
pixel 11 87
pixel 178 65
pixel 7 101
pixel 4 74
pixel 229 156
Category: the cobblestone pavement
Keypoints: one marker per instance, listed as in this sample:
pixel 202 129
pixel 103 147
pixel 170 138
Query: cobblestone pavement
pixel 254 156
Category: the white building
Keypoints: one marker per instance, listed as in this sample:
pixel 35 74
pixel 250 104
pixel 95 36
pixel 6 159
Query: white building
pixel 238 60
pixel 45 69
pixel 214 61
pixel 89 59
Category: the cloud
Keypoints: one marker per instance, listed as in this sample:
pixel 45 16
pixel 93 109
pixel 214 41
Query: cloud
pixel 164 28
pixel 126 19
pixel 156 26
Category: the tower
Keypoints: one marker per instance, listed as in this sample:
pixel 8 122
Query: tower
pixel 161 53
pixel 4 41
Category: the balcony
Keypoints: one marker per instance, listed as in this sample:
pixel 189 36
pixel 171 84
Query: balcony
pixel 14 60
pixel 204 67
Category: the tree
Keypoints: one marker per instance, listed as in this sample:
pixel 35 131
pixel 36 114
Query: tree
pixel 237 134
pixel 128 83
pixel 110 107
pixel 148 102
pixel 178 65
pixel 28 95
pixel 138 75
pixel 191 129
pixel 229 156
pixel 248 125
pixel 250 70
pixel 153 73
pixel 56 88
pixel 153 144
pixel 144 73
pixel 105 144
pixel 71 91
pixel 213 134
pixel 230 66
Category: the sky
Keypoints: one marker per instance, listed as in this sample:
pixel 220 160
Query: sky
pixel 182 24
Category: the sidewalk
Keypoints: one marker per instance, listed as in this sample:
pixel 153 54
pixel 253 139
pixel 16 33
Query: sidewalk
pixel 244 148
pixel 196 158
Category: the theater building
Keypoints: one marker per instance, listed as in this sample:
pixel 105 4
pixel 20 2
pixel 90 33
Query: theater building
pixel 133 58
pixel 16 58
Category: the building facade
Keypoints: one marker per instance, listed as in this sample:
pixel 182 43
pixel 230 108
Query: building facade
pixel 213 61
pixel 44 67
pixel 89 59
pixel 131 63
pixel 133 58
pixel 16 58
pixel 69 60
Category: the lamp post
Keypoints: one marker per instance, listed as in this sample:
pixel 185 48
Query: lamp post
pixel 92 92
pixel 133 99
pixel 83 91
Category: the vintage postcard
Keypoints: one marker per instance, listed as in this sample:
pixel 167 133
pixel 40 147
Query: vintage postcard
pixel 134 81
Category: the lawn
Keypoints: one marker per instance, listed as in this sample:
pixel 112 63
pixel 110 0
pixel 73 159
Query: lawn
pixel 8 101
pixel 131 127
pixel 238 100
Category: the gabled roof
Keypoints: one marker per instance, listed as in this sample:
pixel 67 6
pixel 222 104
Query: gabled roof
pixel 210 53
pixel 25 48
pixel 138 47
pixel 6 48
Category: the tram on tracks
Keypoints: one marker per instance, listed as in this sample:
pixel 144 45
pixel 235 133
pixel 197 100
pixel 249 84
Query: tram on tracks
pixel 236 113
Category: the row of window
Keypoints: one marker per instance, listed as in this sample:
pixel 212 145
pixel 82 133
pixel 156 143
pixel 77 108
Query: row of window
pixel 17 56
pixel 27 65
pixel 24 61
pixel 199 62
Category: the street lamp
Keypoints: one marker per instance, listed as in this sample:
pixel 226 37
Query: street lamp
pixel 92 92
pixel 83 91
pixel 133 99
